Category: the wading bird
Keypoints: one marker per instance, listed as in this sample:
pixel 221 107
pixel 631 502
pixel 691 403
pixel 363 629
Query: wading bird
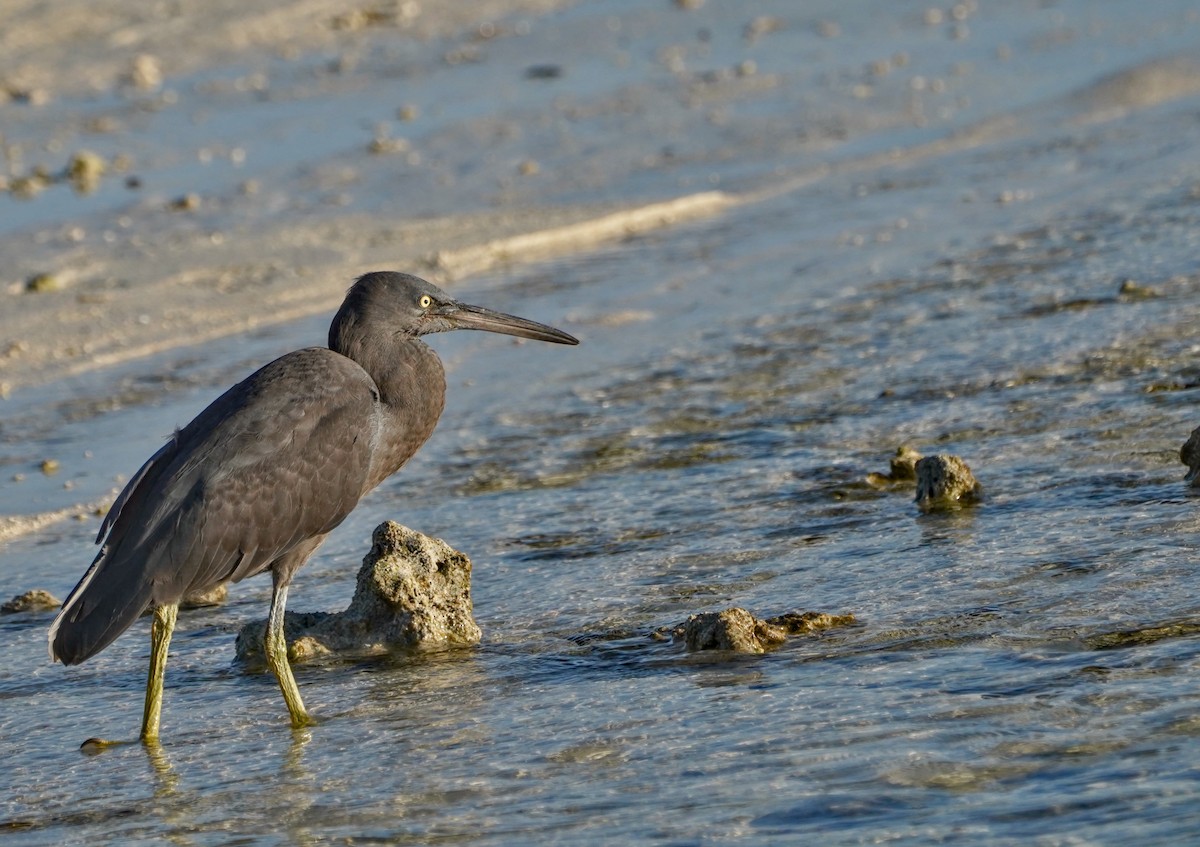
pixel 262 475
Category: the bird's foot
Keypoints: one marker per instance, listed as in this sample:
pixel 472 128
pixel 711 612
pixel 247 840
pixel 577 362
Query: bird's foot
pixel 303 720
pixel 96 746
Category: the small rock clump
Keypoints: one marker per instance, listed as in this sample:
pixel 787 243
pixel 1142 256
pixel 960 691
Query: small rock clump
pixel 945 482
pixel 36 600
pixel 413 591
pixel 737 630
pixel 903 470
pixel 85 170
pixel 1189 454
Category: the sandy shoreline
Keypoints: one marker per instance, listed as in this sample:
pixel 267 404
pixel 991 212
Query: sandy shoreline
pixel 57 48
pixel 197 291
pixel 111 289
pixel 154 283
pixel 133 298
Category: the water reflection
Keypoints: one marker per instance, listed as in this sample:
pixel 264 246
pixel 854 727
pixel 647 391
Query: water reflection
pixel 294 793
pixel 176 806
pixel 950 529
pixel 165 777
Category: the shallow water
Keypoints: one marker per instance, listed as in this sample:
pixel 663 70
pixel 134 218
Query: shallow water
pixel 1021 672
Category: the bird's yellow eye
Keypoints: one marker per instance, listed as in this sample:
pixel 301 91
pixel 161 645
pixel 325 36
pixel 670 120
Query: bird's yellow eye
pixel 426 301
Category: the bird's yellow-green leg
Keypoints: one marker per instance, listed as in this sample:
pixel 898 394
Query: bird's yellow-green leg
pixel 277 660
pixel 160 640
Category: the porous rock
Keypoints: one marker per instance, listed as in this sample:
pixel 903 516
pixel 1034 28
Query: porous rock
pixel 85 170
pixel 1189 454
pixel 737 630
pixel 903 469
pixel 413 591
pixel 36 600
pixel 945 482
pixel 732 629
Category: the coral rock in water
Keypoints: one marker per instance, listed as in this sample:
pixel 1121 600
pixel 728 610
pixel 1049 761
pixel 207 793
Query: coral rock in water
pixel 945 482
pixel 36 600
pixel 413 591
pixel 903 470
pixel 739 631
pixel 733 629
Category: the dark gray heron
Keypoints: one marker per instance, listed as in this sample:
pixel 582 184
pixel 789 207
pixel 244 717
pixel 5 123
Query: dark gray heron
pixel 262 475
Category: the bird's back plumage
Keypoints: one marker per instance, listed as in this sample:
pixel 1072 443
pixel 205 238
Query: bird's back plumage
pixel 278 459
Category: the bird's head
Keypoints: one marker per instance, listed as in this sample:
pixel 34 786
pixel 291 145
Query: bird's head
pixel 409 305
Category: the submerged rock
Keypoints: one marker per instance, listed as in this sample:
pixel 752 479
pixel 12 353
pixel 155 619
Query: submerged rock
pixel 43 282
pixel 733 629
pixel 412 591
pixel 945 482
pixel 85 170
pixel 144 73
pixel 737 630
pixel 1189 454
pixel 36 600
pixel 903 470
pixel 1131 289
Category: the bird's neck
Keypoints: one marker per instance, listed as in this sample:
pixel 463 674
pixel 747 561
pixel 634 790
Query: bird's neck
pixel 412 393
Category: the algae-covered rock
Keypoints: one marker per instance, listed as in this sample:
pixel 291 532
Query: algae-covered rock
pixel 35 600
pixel 945 482
pixel 732 629
pixel 413 591
pixel 737 630
pixel 902 472
pixel 43 282
pixel 85 170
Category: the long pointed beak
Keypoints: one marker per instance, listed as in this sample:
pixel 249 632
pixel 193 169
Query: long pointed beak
pixel 463 316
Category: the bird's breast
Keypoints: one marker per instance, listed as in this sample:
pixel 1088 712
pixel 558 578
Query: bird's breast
pixel 412 394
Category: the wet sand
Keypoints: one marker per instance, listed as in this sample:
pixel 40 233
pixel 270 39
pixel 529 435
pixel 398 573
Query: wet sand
pixel 133 276
pixel 58 49
pixel 146 283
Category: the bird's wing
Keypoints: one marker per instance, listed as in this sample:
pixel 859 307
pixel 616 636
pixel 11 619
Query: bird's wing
pixel 278 459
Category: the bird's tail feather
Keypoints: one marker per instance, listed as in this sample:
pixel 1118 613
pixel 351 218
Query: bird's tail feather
pixel 111 596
